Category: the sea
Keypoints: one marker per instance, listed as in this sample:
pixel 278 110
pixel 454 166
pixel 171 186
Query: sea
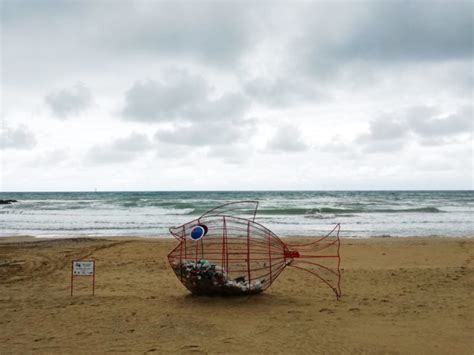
pixel 362 214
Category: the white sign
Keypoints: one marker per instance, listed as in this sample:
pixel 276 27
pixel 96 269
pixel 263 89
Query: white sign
pixel 83 268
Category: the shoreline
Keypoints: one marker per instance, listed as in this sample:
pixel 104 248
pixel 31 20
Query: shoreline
pixel 289 239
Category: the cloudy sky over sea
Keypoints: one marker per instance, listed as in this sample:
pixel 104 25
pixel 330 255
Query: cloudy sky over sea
pixel 154 95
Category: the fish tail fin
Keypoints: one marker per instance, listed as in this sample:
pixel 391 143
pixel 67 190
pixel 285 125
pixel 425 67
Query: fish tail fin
pixel 321 258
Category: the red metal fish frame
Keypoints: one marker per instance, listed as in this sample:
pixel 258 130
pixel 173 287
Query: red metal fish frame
pixel 224 253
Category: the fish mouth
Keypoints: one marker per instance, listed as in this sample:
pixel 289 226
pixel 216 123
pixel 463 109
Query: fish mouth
pixel 176 232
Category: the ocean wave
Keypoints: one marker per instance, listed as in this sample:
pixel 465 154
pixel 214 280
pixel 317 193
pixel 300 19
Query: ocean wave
pixel 191 209
pixel 140 203
pixel 381 210
pixel 50 205
pixel 348 211
pixel 197 208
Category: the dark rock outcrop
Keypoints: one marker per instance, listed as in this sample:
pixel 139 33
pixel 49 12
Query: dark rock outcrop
pixel 7 202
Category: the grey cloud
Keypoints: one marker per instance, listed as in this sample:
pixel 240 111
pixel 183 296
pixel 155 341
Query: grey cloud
pixel 181 97
pixel 425 122
pixel 282 91
pixel 51 157
pixel 228 107
pixel 199 117
pixel 210 32
pixel 375 34
pixel 77 39
pixel 387 133
pixel 176 152
pixel 161 101
pixel 68 102
pixel 413 31
pixel 120 149
pixel 369 145
pixel 214 33
pixel 436 141
pixel 50 42
pixel 135 142
pixel 287 139
pixel 386 128
pixel 19 137
pixel 14 11
pixel 206 134
pixel 335 146
pixel 232 154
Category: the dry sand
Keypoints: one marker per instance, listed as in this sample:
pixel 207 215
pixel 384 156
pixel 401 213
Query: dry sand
pixel 399 296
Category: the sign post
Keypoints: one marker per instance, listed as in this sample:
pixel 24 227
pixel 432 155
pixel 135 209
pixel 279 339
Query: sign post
pixel 83 268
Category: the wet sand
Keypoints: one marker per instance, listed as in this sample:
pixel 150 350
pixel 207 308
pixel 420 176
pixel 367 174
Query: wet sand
pixel 412 295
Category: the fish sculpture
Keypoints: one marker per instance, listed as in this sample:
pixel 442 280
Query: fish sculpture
pixel 225 252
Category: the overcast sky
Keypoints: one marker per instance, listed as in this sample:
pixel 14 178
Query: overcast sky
pixel 154 95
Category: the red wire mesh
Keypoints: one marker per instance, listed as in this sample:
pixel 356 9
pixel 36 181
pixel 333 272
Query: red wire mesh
pixel 238 256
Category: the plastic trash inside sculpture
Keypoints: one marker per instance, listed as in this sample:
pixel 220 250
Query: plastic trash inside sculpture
pixel 224 253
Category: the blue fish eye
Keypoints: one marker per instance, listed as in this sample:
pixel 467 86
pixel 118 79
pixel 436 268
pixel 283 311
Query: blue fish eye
pixel 197 233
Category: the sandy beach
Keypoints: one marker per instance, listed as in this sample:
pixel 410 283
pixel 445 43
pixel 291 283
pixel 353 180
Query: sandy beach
pixel 399 295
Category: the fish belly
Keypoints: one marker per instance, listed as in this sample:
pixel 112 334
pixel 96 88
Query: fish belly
pixel 235 257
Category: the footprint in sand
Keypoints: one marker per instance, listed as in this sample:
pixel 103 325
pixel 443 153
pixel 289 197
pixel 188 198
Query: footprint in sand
pixel 293 311
pixel 190 347
pixel 326 310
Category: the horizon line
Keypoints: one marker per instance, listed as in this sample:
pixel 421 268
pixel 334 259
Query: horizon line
pixel 256 190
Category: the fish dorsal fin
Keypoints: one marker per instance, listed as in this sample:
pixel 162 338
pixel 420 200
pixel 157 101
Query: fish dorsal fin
pixel 239 209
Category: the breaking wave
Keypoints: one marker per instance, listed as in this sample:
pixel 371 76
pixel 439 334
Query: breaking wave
pixel 330 210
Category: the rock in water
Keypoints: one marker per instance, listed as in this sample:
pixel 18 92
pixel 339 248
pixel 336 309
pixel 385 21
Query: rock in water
pixel 7 202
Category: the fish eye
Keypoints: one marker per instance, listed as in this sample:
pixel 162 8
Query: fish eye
pixel 198 232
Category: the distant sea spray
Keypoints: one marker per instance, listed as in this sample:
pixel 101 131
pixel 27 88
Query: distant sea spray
pixel 288 213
